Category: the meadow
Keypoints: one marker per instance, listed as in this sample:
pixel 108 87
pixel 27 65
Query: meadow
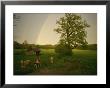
pixel 82 62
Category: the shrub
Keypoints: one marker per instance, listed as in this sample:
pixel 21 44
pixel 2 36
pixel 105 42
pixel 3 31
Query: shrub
pixel 19 52
pixel 63 50
pixel 29 48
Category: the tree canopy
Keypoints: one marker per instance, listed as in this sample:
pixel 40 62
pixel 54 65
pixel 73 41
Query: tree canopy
pixel 72 29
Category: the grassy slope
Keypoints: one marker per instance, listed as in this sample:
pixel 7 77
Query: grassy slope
pixel 83 62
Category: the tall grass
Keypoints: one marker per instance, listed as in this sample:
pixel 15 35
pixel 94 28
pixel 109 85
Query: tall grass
pixel 82 62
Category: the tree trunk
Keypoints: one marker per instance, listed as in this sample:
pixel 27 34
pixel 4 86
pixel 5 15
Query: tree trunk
pixel 68 39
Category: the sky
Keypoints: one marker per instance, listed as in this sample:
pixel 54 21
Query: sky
pixel 38 28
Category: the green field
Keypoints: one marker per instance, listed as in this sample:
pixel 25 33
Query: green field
pixel 83 62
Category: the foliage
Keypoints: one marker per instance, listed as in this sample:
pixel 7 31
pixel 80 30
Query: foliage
pixel 62 49
pixel 92 47
pixel 88 47
pixel 25 44
pixel 72 29
pixel 46 46
pixel 29 48
pixel 17 45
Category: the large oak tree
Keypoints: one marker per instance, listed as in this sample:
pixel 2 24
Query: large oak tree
pixel 73 30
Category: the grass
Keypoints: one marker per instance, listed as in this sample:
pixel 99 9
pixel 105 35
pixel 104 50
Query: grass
pixel 83 62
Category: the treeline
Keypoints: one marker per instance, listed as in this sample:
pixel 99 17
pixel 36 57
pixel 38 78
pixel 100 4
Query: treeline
pixel 88 47
pixel 25 45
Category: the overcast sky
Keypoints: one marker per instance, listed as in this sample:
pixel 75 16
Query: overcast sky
pixel 38 28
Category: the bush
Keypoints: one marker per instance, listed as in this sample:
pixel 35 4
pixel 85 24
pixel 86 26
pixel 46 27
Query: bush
pixel 92 47
pixel 17 45
pixel 63 50
pixel 19 52
pixel 29 48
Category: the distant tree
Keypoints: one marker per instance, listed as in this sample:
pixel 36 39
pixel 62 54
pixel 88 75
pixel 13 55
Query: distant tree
pixel 17 45
pixel 46 46
pixel 72 29
pixel 92 46
pixel 25 44
pixel 88 47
